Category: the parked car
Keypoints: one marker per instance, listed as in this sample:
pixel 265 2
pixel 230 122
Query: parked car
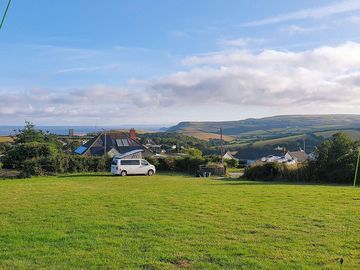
pixel 124 167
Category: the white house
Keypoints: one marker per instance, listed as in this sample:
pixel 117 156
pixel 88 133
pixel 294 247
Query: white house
pixel 228 155
pixel 298 156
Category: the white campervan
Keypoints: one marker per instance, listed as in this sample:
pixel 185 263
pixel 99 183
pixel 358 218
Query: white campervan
pixel 124 167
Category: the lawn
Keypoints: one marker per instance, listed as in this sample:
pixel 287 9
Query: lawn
pixel 176 222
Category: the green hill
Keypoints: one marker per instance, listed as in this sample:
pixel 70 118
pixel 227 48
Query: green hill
pixel 272 127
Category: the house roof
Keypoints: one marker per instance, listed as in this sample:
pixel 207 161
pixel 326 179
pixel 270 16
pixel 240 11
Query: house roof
pixel 119 141
pixel 300 156
pixel 229 155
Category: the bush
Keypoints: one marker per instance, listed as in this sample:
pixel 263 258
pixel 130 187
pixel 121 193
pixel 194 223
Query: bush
pixel 186 164
pixel 189 164
pixel 278 171
pixel 64 164
pixel 231 163
pixel 16 155
pixel 1 165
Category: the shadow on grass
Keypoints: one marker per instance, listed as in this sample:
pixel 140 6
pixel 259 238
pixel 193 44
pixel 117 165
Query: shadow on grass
pixel 86 175
pixel 245 182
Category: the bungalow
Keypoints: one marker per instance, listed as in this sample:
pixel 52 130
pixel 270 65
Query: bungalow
pixel 298 156
pixel 229 155
pixel 114 143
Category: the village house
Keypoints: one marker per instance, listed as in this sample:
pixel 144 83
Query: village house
pixel 298 156
pixel 115 143
pixel 229 155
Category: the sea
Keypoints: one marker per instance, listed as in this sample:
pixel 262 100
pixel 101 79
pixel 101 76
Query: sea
pixel 80 130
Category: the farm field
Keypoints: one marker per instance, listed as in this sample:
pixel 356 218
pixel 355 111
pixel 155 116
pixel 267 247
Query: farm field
pixel 202 135
pixel 176 222
pixel 5 139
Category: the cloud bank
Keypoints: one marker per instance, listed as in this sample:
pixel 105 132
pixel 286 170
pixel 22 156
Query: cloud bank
pixel 324 79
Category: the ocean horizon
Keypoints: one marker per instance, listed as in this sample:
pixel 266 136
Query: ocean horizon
pixel 64 130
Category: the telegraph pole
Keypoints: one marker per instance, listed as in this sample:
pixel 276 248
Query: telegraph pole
pixel 357 167
pixel 104 141
pixel 221 146
pixel 4 16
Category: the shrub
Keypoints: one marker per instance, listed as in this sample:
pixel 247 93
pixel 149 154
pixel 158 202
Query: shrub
pixel 16 155
pixel 1 165
pixel 189 164
pixel 231 163
pixel 193 152
pixel 278 171
pixel 64 164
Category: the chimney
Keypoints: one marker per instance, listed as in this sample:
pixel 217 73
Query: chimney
pixel 132 134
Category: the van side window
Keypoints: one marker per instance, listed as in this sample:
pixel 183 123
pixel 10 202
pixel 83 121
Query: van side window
pixel 144 162
pixel 130 162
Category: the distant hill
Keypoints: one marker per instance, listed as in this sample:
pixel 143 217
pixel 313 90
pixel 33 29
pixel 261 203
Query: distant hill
pixel 251 130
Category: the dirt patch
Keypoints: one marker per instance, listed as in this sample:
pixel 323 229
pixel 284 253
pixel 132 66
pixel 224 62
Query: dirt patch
pixel 182 263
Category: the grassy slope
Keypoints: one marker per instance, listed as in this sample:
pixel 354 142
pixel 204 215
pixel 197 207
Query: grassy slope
pixel 170 222
pixel 353 134
pixel 202 135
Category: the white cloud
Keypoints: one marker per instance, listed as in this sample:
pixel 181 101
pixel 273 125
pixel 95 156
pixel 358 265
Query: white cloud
pixel 240 42
pixel 271 78
pixel 325 79
pixel 89 68
pixel 311 13
pixel 297 29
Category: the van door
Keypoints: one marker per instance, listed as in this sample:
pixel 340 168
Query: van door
pixel 144 166
pixel 130 165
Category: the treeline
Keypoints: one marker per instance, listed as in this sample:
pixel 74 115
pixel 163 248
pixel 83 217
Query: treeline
pixel 168 140
pixel 334 163
pixel 35 152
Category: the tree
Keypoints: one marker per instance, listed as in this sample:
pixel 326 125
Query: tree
pixel 336 159
pixel 29 134
pixel 193 152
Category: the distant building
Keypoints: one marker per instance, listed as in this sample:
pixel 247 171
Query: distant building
pixel 299 156
pixel 156 148
pixel 114 143
pixel 275 159
pixel 229 155
pixel 71 132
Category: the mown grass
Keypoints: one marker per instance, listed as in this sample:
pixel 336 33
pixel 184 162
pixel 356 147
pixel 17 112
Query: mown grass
pixel 176 222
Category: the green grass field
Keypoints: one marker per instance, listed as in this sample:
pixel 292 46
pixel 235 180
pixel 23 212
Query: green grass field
pixel 176 222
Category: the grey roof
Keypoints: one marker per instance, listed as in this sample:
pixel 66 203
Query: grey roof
pixel 300 156
pixel 119 141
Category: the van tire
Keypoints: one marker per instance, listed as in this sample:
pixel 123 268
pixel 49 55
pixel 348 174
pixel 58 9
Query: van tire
pixel 123 173
pixel 150 173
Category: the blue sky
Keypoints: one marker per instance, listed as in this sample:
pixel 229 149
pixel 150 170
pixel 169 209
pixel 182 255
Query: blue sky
pixel 160 62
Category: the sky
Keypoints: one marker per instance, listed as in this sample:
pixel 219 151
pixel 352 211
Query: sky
pixel 116 62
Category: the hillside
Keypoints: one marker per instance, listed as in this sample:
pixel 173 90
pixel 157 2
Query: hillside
pixel 253 129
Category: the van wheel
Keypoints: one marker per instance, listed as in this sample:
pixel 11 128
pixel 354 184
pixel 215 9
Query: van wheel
pixel 123 173
pixel 150 173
